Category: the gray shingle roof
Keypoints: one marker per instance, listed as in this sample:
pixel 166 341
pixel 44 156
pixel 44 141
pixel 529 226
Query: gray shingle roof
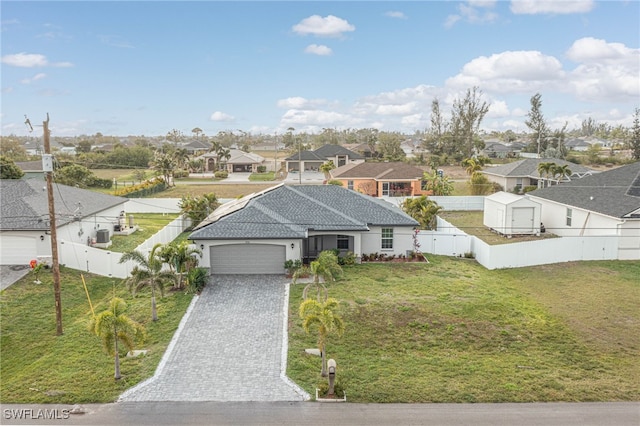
pixel 24 204
pixel 330 150
pixel 391 170
pixel 614 192
pixel 289 211
pixel 529 168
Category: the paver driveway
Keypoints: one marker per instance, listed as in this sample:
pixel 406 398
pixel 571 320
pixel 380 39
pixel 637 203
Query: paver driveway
pixel 231 346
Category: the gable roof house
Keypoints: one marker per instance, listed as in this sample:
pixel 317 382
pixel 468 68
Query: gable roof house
pixel 239 161
pixel 607 203
pixel 256 234
pixel 312 160
pixel 387 179
pixel 522 173
pixel 24 218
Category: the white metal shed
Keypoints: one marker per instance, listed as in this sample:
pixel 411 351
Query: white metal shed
pixel 511 214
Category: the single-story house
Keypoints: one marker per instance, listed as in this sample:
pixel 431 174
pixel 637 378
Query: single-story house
pixel 386 179
pixel 239 161
pixel 197 147
pixel 31 169
pixel 312 160
pixel 607 203
pixel 24 221
pixel 256 234
pixel 511 214
pixel 522 173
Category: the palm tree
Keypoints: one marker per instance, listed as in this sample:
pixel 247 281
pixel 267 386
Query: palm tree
pixel 544 170
pixel 326 266
pixel 183 259
pixel 323 316
pixel 423 210
pixel 560 171
pixel 113 326
pixel 327 167
pixel 148 273
pixel 472 165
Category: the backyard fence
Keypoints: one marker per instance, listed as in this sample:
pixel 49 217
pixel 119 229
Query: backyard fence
pixel 451 241
pixel 105 262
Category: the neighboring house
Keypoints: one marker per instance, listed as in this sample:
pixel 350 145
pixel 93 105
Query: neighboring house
pixel 386 179
pixel 360 148
pixel 607 203
pixel 312 160
pixel 239 161
pixel 522 173
pixel 497 150
pixel 256 234
pixel 577 145
pixel 197 147
pixel 24 218
pixel 31 169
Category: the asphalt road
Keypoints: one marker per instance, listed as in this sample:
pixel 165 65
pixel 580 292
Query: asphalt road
pixel 314 413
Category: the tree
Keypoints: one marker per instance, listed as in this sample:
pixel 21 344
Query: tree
pixel 327 167
pixel 635 135
pixel 545 170
pixel 164 163
pixel 199 207
pixel 472 165
pixel 326 266
pixel 437 184
pixel 423 210
pixel 389 147
pixel 75 175
pixel 466 116
pixel 114 327
pixel 8 169
pixel 537 124
pixel 480 184
pixel 434 140
pixel 179 257
pixel 323 316
pixel 175 136
pixel 197 131
pixel 148 273
pixel 560 172
pixel 12 149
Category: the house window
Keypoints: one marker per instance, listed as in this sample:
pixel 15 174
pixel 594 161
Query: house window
pixel 343 242
pixel 518 184
pixel 350 184
pixel 569 214
pixel 387 238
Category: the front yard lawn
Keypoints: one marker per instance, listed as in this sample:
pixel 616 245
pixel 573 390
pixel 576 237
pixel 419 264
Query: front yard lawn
pixel 452 331
pixel 39 367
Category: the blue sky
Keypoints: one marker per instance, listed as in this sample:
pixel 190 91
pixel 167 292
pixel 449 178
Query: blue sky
pixel 145 68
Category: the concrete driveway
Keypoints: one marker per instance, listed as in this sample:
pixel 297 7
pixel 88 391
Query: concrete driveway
pixel 9 274
pixel 230 346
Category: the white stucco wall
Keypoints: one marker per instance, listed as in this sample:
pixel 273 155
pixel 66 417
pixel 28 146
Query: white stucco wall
pixel 402 240
pixel 583 222
pixel 78 232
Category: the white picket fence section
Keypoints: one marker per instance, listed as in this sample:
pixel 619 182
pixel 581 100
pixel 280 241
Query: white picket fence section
pixel 105 262
pixel 451 241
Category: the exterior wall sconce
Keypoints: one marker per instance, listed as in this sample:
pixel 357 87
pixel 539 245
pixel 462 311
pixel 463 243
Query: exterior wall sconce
pixel 201 246
pixel 41 237
pixel 292 246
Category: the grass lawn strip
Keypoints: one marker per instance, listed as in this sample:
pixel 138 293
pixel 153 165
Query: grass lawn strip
pixel 148 225
pixel 39 367
pixel 451 331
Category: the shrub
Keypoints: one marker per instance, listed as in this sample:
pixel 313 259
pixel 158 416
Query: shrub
pixel 262 169
pixel 334 182
pixel 348 259
pixel 292 266
pixel 197 279
pixel 221 174
pixel 529 188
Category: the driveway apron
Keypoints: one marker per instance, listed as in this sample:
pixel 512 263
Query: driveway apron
pixel 231 346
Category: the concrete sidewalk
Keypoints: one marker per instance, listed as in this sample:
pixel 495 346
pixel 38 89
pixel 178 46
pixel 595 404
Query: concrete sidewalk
pixel 231 346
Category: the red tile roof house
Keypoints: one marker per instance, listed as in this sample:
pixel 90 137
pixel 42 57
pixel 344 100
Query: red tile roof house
pixel 390 179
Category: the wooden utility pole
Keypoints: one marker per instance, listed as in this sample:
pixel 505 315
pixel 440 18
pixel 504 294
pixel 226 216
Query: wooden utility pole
pixel 47 165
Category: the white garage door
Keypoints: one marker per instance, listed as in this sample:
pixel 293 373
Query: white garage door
pixel 17 250
pixel 247 259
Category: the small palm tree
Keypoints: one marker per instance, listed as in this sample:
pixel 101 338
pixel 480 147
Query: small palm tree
pixel 183 260
pixel 560 171
pixel 326 266
pixel 114 327
pixel 472 165
pixel 148 273
pixel 323 316
pixel 545 169
pixel 423 210
pixel 327 167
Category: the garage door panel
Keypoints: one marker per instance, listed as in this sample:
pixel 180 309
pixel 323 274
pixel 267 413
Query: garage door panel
pixel 17 250
pixel 247 259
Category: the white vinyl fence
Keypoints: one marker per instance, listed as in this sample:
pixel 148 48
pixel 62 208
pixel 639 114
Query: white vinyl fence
pixel 105 262
pixel 152 205
pixel 451 241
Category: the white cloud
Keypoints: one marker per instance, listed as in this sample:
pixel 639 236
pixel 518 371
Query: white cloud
pixel 498 109
pixel 298 102
pixel 329 26
pixel 520 71
pixel 36 77
pixel 31 60
pixel 555 7
pixel 318 49
pixel 396 15
pixel 221 116
pixel 398 109
pixel 319 118
pixel 472 14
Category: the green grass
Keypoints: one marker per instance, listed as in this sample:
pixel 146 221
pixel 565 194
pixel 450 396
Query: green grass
pixel 262 177
pixel 148 225
pixel 221 190
pixel 452 331
pixel 39 367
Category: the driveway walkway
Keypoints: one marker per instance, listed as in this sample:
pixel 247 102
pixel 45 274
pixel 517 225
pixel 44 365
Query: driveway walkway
pixel 229 347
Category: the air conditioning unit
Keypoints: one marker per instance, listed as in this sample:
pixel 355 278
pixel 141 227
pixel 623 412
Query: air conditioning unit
pixel 102 236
